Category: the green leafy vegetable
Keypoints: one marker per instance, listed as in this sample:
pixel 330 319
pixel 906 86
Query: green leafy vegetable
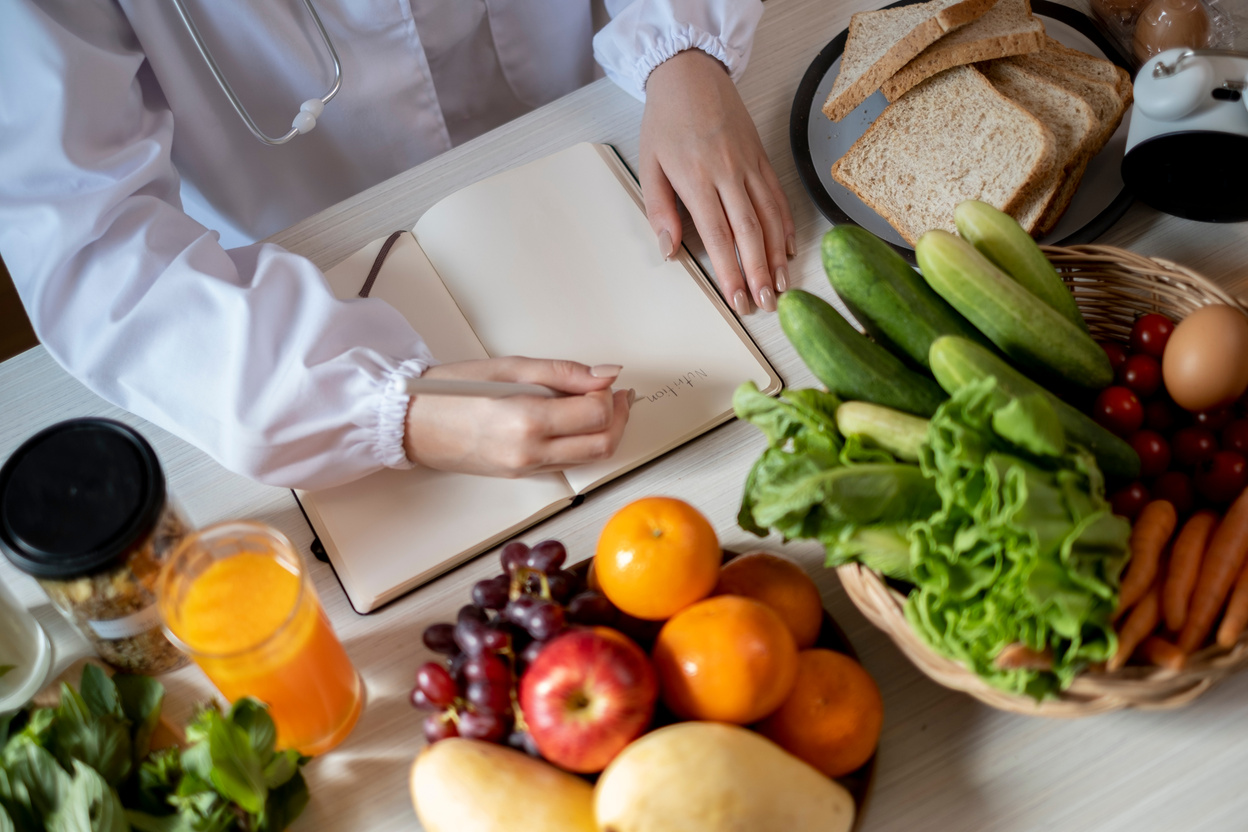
pixel 86 766
pixel 1025 548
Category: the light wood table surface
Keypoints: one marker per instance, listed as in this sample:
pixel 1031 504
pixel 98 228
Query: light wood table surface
pixel 946 762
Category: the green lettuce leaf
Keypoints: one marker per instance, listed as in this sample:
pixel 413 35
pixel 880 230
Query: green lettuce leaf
pixel 1024 548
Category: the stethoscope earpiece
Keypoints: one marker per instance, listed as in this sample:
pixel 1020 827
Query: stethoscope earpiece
pixel 1173 84
pixel 309 112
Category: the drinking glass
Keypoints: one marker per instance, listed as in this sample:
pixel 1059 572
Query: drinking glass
pixel 25 652
pixel 236 597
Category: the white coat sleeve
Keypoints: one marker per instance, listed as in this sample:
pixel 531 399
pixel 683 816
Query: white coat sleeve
pixel 244 353
pixel 644 33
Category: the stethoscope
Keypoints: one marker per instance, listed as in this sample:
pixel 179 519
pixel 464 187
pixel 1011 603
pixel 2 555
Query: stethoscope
pixel 309 111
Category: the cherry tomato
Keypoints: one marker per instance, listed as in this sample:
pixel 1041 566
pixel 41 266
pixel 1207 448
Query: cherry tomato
pixel 1213 420
pixel 1235 437
pixel 1130 501
pixel 1118 410
pixel 1154 452
pixel 1161 415
pixel 1141 373
pixel 1117 353
pixel 1222 477
pixel 1150 334
pixel 1176 487
pixel 1192 446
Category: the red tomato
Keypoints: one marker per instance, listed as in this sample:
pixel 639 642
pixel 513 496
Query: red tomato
pixel 1118 410
pixel 1214 420
pixel 1192 446
pixel 1150 334
pixel 1141 373
pixel 1222 477
pixel 1176 487
pixel 1154 452
pixel 1130 501
pixel 1161 414
pixel 1235 437
pixel 1117 353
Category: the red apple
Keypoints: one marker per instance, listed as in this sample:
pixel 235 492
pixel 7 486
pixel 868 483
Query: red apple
pixel 589 693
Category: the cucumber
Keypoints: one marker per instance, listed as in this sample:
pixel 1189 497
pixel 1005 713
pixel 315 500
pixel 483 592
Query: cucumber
pixel 887 296
pixel 848 363
pixel 1024 327
pixel 898 433
pixel 1000 238
pixel 957 362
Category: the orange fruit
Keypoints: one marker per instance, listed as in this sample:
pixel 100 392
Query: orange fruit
pixel 728 659
pixel 780 584
pixel 832 717
pixel 656 556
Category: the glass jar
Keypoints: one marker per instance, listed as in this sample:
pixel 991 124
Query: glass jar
pixel 84 509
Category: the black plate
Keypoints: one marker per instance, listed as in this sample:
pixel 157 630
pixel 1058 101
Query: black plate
pixel 817 142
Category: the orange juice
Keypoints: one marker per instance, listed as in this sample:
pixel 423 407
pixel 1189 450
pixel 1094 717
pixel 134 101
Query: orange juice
pixel 234 595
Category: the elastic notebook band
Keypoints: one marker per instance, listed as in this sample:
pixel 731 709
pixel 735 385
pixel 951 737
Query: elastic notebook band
pixel 376 269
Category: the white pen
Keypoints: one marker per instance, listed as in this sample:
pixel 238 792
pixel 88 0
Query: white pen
pixel 472 387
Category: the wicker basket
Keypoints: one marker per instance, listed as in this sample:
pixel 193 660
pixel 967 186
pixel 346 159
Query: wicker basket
pixel 1112 287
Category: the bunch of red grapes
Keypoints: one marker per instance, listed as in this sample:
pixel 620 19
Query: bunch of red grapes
pixel 511 618
pixel 1190 459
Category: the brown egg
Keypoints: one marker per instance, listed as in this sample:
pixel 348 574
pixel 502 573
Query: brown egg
pixel 1165 24
pixel 1124 11
pixel 1205 364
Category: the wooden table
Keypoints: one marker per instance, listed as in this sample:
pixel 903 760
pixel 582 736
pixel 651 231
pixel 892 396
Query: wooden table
pixel 946 762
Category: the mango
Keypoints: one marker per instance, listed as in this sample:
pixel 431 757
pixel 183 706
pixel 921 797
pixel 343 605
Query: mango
pixel 715 777
pixel 461 785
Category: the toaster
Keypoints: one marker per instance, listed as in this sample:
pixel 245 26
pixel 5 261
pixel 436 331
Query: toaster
pixel 1187 142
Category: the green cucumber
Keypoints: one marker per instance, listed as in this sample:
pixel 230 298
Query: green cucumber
pixel 1000 238
pixel 847 362
pixel 1024 327
pixel 956 362
pixel 888 297
pixel 898 433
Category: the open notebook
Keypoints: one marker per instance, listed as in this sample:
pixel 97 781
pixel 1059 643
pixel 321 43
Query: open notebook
pixel 554 259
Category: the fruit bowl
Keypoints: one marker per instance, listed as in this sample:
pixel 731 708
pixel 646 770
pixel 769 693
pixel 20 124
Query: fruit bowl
pixel 1112 287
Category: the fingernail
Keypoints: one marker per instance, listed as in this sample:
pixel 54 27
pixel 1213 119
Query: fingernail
pixel 741 302
pixel 665 245
pixel 782 279
pixel 605 370
pixel 767 299
pixel 632 396
pixel 790 246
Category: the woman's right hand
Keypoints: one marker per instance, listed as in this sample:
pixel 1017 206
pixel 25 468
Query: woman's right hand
pixel 519 435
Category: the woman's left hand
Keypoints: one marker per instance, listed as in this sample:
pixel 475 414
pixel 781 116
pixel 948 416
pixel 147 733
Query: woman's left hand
pixel 699 144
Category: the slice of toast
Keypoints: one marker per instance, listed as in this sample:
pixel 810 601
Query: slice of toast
pixel 1069 117
pixel 1064 57
pixel 952 137
pixel 881 42
pixel 1008 28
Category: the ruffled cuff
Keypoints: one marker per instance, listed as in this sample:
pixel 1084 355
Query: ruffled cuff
pixel 392 415
pixel 640 38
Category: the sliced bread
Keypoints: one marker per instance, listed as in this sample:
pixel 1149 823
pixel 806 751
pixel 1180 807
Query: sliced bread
pixel 1008 28
pixel 952 137
pixel 1064 57
pixel 1068 116
pixel 881 42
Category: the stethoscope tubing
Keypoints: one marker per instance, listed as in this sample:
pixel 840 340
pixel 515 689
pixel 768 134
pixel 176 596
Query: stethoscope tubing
pixel 229 91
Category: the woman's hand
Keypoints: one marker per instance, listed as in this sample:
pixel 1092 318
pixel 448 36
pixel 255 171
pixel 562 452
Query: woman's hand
pixel 698 143
pixel 519 435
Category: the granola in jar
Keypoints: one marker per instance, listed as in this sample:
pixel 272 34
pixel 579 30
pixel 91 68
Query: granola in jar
pixel 84 509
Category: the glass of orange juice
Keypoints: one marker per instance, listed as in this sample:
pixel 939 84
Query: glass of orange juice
pixel 236 598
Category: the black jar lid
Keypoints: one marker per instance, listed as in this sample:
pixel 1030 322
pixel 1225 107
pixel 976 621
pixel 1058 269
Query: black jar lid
pixel 75 496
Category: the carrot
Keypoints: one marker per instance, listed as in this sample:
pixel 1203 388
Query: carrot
pixel 1185 558
pixel 1142 621
pixel 1149 536
pixel 1156 650
pixel 1223 562
pixel 1019 656
pixel 1236 616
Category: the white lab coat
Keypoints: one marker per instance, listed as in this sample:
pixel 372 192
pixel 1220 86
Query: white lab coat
pixel 243 351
